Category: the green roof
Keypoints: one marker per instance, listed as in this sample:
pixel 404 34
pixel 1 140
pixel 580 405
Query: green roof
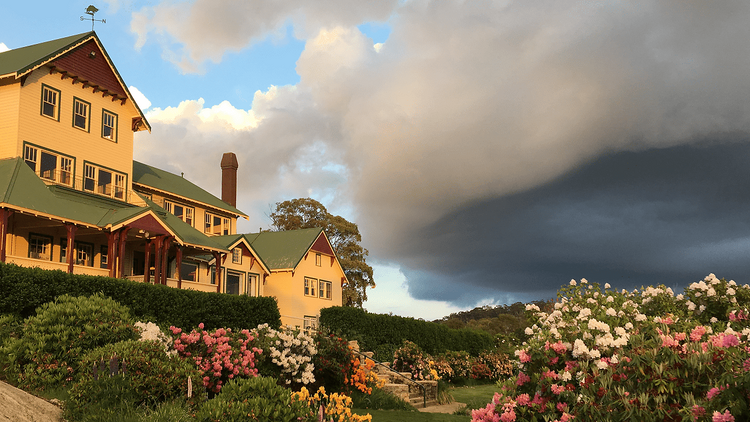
pixel 23 59
pixel 19 60
pixel 283 250
pixel 21 188
pixel 164 181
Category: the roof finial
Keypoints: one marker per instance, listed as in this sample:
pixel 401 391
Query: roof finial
pixel 90 11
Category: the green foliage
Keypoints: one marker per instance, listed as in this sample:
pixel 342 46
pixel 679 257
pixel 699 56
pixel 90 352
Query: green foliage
pixel 25 289
pixel 257 399
pixel 379 399
pixel 131 374
pixel 305 213
pixel 379 332
pixel 333 361
pixel 51 342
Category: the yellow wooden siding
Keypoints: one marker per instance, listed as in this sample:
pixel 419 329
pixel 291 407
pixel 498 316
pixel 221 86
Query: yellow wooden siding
pixel 61 136
pixel 10 91
pixel 289 289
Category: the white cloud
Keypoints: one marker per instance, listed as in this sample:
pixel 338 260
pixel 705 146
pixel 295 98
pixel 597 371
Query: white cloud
pixel 3 47
pixel 139 98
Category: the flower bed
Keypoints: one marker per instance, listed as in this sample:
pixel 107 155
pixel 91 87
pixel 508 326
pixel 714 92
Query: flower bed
pixel 643 355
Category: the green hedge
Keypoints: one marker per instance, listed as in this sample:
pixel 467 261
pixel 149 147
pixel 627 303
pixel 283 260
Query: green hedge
pixel 22 290
pixel 383 333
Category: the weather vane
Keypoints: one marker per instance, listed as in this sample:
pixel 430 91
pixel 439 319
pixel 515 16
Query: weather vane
pixel 90 11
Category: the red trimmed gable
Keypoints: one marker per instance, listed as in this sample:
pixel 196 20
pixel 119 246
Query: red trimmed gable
pixel 150 224
pixel 93 69
pixel 321 245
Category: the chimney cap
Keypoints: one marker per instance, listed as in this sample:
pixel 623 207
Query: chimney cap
pixel 229 161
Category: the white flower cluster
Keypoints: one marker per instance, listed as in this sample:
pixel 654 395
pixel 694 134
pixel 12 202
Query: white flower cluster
pixel 152 332
pixel 292 352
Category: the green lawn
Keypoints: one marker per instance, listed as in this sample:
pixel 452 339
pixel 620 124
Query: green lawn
pixel 475 397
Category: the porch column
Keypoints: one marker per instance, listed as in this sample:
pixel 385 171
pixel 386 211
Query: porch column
pixel 4 215
pixel 112 242
pixel 121 252
pixel 164 264
pixel 147 269
pixel 157 259
pixel 178 267
pixel 71 230
pixel 217 258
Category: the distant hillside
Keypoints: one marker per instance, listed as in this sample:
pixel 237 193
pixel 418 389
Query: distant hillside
pixel 506 320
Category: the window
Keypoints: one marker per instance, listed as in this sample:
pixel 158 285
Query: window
pixel 318 259
pixel 184 213
pixel 49 165
pixel 251 289
pixel 103 256
pixel 81 111
pixel 109 125
pixel 310 287
pixel 310 323
pixel 84 254
pixel 215 224
pixel 237 256
pixel 189 271
pixel 234 280
pixel 40 247
pixel 104 182
pixel 63 249
pixel 50 102
pixel 325 289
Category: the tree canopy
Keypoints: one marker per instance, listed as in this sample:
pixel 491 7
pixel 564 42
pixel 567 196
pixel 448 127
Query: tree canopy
pixel 304 213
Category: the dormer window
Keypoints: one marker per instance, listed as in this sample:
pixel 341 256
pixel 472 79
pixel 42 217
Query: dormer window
pixel 184 213
pixel 237 256
pixel 50 102
pixel 81 114
pixel 215 224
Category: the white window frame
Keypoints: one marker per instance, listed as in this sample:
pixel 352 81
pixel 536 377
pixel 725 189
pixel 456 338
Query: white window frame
pixel 324 289
pixel 51 97
pixel 187 212
pixel 40 247
pixel 62 172
pixel 92 174
pixel 210 225
pixel 310 287
pixel 310 323
pixel 81 110
pixel 237 255
pixel 109 124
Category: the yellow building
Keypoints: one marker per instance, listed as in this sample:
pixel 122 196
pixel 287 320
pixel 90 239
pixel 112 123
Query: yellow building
pixel 73 199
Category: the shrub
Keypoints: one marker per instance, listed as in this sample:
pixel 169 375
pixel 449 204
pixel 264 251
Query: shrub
pixel 380 399
pixel 258 399
pixel 131 374
pixel 409 358
pixel 25 289
pixel 220 355
pixel 375 331
pixel 333 361
pixel 288 355
pixel 648 356
pixel 334 406
pixel 52 341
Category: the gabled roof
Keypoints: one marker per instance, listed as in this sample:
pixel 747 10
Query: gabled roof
pixel 233 240
pixel 19 62
pixel 284 250
pixel 172 184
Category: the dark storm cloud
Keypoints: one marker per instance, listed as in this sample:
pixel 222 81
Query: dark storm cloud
pixel 666 216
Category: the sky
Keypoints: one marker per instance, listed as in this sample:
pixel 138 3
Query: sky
pixel 490 151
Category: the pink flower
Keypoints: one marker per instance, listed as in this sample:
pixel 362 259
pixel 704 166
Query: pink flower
pixel 201 326
pixel 523 399
pixel 522 379
pixel 718 417
pixel 712 393
pixel 561 407
pixel 557 389
pixel 510 416
pixel 730 340
pixel 698 411
pixel 523 356
pixel 566 417
pixel 697 333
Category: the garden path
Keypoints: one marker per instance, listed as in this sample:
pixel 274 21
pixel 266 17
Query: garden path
pixel 443 408
pixel 19 406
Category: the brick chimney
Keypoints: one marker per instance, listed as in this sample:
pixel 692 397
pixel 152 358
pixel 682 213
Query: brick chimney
pixel 229 167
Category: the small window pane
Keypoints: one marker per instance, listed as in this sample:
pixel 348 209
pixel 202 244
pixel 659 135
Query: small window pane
pixel 104 184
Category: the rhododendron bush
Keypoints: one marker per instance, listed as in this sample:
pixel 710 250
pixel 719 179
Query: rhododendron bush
pixel 645 355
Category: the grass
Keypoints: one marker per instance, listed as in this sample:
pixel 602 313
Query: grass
pixel 474 397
